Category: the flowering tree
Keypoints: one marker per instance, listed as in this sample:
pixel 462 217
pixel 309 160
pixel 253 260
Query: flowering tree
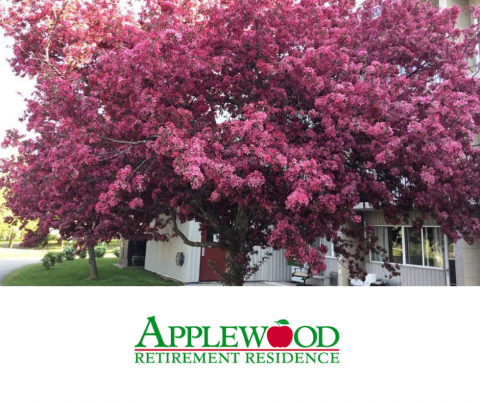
pixel 263 120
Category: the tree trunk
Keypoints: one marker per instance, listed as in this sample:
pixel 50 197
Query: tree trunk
pixel 237 261
pixel 93 263
pixel 60 242
pixel 10 240
pixel 236 265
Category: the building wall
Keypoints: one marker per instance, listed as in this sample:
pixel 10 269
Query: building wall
pixel 409 276
pixel 467 261
pixel 273 269
pixel 161 257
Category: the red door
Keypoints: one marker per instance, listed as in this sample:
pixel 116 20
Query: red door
pixel 210 254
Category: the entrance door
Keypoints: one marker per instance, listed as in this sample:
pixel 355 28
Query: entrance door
pixel 136 253
pixel 210 254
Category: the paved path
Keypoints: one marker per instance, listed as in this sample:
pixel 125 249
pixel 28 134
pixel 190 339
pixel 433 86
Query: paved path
pixel 248 283
pixel 6 266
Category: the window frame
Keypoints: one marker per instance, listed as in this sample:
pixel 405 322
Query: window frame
pixel 331 252
pixel 404 254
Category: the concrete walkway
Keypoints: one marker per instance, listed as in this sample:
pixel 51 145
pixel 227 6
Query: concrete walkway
pixel 248 283
pixel 7 266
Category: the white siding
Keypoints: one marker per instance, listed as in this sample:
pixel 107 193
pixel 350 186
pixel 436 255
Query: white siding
pixel 409 275
pixel 161 256
pixel 467 259
pixel 273 269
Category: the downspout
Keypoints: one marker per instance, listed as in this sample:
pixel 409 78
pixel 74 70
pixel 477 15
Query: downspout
pixel 446 264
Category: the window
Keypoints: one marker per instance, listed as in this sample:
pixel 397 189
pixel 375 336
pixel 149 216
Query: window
pixel 409 247
pixel 212 236
pixel 413 245
pixel 326 243
pixel 433 245
pixel 390 238
pixel 451 251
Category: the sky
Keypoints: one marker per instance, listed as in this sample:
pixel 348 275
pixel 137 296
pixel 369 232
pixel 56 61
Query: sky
pixel 12 104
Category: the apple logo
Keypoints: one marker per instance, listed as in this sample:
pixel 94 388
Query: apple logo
pixel 280 337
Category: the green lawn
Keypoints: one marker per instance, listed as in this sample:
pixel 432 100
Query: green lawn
pixel 76 273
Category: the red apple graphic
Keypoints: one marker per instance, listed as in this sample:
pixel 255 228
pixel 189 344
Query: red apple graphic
pixel 280 337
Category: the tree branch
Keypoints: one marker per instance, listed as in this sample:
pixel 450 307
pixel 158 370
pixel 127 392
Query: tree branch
pixel 127 142
pixel 177 231
pixel 49 42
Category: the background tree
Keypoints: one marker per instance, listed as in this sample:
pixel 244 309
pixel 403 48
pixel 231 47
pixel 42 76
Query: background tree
pixel 263 120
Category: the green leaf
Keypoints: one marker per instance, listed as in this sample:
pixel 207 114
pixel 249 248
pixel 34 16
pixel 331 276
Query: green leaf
pixel 283 322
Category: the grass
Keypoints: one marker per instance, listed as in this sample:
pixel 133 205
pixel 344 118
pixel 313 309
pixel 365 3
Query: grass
pixel 76 273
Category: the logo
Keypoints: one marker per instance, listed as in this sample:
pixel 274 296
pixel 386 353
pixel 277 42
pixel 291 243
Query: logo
pixel 280 337
pixel 238 344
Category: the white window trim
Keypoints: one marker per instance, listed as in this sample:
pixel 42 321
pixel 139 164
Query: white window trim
pixel 331 253
pixel 404 257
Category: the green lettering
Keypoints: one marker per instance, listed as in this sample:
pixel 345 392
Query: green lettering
pixel 212 357
pixel 299 357
pixel 309 357
pixel 254 334
pixel 197 359
pixel 297 341
pixel 225 336
pixel 156 333
pixel 173 336
pixel 139 356
pixel 320 357
pixel 175 357
pixel 206 345
pixel 320 337
pixel 190 336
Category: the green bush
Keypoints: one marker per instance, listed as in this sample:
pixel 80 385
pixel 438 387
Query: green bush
pixel 82 253
pixel 48 260
pixel 116 251
pixel 60 256
pixel 52 237
pixel 100 251
pixel 46 263
pixel 69 253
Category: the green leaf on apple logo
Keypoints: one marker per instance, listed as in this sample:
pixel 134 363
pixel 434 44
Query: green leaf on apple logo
pixel 283 322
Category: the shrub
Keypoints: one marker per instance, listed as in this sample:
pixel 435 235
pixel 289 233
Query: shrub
pixel 60 256
pixel 100 251
pixel 46 263
pixel 52 237
pixel 82 253
pixel 48 260
pixel 116 251
pixel 69 253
